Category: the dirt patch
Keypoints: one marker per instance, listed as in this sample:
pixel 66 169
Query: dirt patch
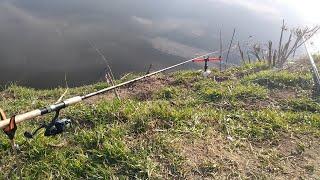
pixel 301 156
pixel 221 158
pixel 141 90
pixel 214 157
pixel 247 104
pixel 6 95
pixel 256 104
pixel 221 78
pixel 283 94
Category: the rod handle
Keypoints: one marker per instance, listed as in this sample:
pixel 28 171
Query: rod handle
pixel 21 117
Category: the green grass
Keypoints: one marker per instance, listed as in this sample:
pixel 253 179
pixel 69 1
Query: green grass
pixel 231 91
pixel 282 79
pixel 149 139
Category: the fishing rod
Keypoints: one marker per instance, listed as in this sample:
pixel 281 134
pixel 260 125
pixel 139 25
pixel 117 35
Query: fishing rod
pixel 11 123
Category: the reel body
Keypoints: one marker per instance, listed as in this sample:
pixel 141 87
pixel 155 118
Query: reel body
pixel 55 127
pixel 59 126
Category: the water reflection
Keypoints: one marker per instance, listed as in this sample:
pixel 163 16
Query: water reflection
pixel 41 40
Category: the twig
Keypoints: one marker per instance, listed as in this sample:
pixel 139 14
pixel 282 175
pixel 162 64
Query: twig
pixel 256 51
pixel 220 50
pixel 285 50
pixel 315 30
pixel 110 76
pixel 234 32
pixel 103 57
pixel 248 56
pixel 65 92
pixel 270 53
pixel 280 41
pixel 241 53
pixel 109 79
pixel 149 69
pixel 126 75
pixel 274 58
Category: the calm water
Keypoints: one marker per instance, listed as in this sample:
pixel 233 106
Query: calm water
pixel 42 40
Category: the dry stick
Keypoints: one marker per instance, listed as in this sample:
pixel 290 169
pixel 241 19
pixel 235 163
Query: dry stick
pixel 270 53
pixel 294 54
pixel 256 51
pixel 109 76
pixel 103 57
pixel 280 42
pixel 65 92
pixel 241 53
pixel 257 56
pixel 248 56
pixel 302 35
pixel 286 54
pixel 126 75
pixel 234 32
pixel 149 69
pixel 220 50
pixel 304 39
pixel 286 48
pixel 299 41
pixel 274 58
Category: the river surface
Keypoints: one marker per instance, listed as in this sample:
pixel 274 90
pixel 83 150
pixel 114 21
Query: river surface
pixel 41 41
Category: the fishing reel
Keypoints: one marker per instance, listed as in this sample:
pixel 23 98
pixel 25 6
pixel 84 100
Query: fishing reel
pixel 55 127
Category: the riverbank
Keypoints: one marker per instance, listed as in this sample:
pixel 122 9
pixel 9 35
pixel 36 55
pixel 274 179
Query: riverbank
pixel 246 122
